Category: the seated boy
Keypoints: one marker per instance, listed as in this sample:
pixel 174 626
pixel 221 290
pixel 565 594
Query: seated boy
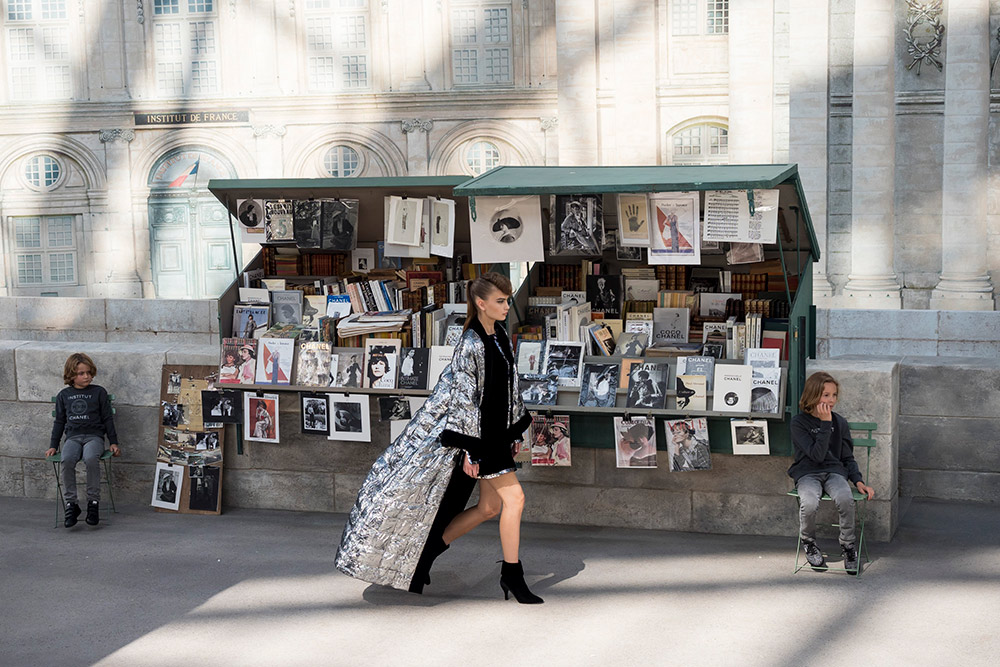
pixel 83 412
pixel 824 461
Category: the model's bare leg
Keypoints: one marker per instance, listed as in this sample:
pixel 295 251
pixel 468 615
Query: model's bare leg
pixel 511 495
pixel 488 507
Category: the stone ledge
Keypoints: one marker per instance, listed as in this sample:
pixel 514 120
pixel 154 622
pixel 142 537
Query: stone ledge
pixel 159 316
pixel 982 487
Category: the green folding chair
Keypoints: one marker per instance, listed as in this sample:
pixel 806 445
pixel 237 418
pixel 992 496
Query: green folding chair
pixel 860 499
pixel 105 458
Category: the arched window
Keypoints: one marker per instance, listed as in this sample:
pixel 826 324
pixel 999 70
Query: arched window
pixel 340 161
pixel 481 156
pixel 706 143
pixel 42 172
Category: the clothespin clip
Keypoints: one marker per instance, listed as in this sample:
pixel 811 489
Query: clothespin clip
pixel 649 415
pixel 260 393
pixel 548 414
pixel 628 417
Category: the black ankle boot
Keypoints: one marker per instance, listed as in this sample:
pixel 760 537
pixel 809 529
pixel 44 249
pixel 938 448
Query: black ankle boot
pixel 512 581
pixel 93 515
pixel 422 574
pixel 72 512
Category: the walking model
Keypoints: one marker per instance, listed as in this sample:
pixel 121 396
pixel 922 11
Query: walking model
pixel 83 413
pixel 824 461
pixel 411 506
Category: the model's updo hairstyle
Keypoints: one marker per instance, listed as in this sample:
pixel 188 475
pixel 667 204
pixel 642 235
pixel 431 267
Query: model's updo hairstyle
pixel 481 287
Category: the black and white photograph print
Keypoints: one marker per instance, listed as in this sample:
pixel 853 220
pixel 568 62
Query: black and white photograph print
pixel 349 370
pixel 605 295
pixel 362 260
pixel 647 386
pixel 442 226
pixel 393 407
pixel 564 359
pixel 173 414
pixel 506 229
pixel 339 224
pixel 627 253
pixel 174 383
pixel 577 225
pixel 405 214
pixel 250 213
pixel 538 389
pixel 631 344
pixel 750 436
pixel 286 306
pixel 413 366
pixel 306 222
pixel 279 221
pixel 260 417
pixel 207 441
pixel 350 417
pixel 599 385
pixel 205 488
pixel 168 479
pixel 315 413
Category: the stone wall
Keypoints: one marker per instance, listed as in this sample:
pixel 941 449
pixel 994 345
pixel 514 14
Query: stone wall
pixel 739 495
pixel 930 333
pixel 163 322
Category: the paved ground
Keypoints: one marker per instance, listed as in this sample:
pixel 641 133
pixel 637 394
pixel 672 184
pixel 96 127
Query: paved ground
pixel 255 587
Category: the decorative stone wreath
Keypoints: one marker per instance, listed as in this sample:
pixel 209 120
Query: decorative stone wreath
pixel 924 33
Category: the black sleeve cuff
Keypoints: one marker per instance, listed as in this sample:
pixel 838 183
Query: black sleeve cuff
pixel 461 441
pixel 517 430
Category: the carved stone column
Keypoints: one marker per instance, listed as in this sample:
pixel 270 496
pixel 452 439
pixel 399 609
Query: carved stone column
pixel 418 146
pixel 269 154
pixel 550 128
pixel 115 256
pixel 872 281
pixel 576 62
pixel 751 82
pixel 809 110
pixel 964 283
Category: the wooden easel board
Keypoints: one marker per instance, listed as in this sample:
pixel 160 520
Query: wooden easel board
pixel 177 446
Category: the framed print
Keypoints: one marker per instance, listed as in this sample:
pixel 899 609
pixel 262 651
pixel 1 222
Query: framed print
pixel 401 250
pixel 404 220
pixel 315 414
pixel 564 359
pixel 260 417
pixel 442 226
pixel 673 229
pixel 167 483
pixel 362 260
pixel 577 225
pixel 633 225
pixel 350 417
pixel 339 224
pixel 750 436
pixel 222 405
pixel 506 229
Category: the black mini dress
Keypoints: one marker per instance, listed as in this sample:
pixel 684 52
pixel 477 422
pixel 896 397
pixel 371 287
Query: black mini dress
pixel 496 457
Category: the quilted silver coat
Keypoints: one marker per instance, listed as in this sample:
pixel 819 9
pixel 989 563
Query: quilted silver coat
pixel 389 524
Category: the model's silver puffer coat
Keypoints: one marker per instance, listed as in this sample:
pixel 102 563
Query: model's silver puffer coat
pixel 389 524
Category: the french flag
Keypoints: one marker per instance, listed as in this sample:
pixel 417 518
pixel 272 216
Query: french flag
pixel 179 181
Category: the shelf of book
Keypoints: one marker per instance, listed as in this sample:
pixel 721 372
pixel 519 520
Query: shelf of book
pixel 326 390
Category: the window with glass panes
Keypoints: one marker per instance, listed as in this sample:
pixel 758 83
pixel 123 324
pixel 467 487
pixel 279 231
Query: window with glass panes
pixel 42 172
pixel 185 47
pixel 338 45
pixel 481 156
pixel 699 17
pixel 341 161
pixel 700 144
pixel 481 42
pixel 44 250
pixel 38 52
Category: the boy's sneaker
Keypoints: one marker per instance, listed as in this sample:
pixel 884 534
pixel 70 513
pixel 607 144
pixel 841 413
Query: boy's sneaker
pixel 93 516
pixel 814 556
pixel 851 559
pixel 72 512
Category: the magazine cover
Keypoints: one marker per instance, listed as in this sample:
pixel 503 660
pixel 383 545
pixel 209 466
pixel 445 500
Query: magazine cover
pixel 236 364
pixel 313 367
pixel 674 237
pixel 250 321
pixel 688 446
pixel 550 440
pixel 599 385
pixel 635 442
pixel 278 216
pixel 274 363
pixel 260 417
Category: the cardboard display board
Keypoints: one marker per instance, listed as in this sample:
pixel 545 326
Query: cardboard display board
pixel 183 442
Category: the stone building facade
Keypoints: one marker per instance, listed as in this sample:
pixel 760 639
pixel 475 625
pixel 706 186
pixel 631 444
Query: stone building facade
pixel 115 114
